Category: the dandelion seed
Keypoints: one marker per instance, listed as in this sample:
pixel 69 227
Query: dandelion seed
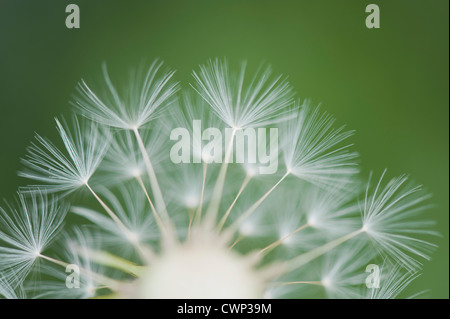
pixel 239 104
pixel 394 280
pixel 27 229
pixel 331 210
pixel 389 220
pixel 76 246
pixel 343 270
pixel 141 102
pixel 311 148
pixel 123 161
pixel 66 172
pixel 132 209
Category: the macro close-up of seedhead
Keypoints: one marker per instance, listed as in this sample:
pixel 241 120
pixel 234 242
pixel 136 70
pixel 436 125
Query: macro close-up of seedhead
pixel 230 186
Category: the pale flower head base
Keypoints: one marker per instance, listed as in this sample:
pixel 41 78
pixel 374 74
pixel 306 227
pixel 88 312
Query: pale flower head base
pixel 210 270
pixel 157 229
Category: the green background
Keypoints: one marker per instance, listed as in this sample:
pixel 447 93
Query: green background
pixel 389 84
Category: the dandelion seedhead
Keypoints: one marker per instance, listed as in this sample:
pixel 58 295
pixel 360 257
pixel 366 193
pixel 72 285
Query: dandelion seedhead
pixel 229 189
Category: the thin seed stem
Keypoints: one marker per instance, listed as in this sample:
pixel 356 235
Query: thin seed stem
pixel 145 253
pixel 284 283
pixel 159 199
pixel 155 213
pixel 55 261
pixel 109 282
pixel 305 258
pixel 234 227
pixel 202 194
pixel 273 245
pixel 214 204
pixel 227 213
pixel 191 218
pixel 109 211
pixel 110 260
pixel 236 241
pixel 162 227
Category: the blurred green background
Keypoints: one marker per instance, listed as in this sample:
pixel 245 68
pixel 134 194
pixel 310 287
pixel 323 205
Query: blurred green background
pixel 389 84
